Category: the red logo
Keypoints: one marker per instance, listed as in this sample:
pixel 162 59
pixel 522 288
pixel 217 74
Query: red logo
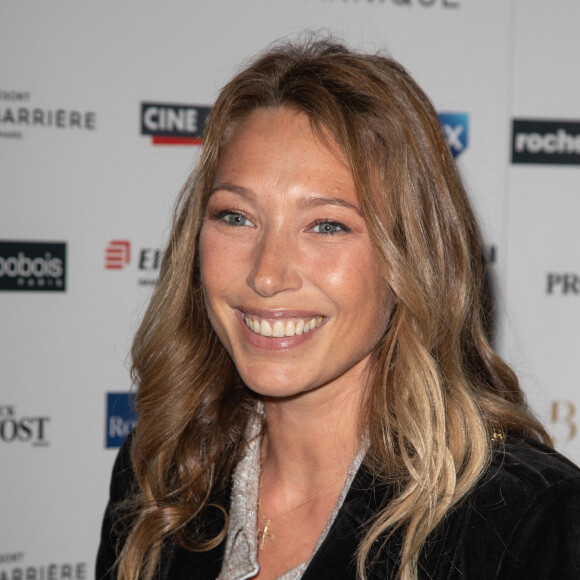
pixel 117 254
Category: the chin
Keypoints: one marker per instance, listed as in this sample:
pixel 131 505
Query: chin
pixel 276 384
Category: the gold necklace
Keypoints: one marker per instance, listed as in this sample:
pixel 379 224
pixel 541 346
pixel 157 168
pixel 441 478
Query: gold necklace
pixel 265 534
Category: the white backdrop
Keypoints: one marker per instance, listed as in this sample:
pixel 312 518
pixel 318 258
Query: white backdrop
pixel 77 173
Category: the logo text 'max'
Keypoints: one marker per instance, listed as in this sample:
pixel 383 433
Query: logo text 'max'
pixel 546 142
pixel 172 124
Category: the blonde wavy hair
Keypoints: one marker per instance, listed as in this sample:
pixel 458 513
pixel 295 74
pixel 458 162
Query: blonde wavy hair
pixel 439 391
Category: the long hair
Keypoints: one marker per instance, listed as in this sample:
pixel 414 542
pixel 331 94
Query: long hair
pixel 438 390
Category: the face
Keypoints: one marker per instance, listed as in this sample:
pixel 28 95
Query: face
pixel 290 278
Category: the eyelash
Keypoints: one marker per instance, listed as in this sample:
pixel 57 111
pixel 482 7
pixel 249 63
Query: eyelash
pixel 223 214
pixel 327 222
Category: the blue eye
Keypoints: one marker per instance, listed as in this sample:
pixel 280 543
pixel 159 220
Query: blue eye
pixel 329 227
pixel 232 218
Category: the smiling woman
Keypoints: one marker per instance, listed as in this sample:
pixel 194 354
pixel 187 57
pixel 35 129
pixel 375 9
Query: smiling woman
pixel 317 397
pixel 291 282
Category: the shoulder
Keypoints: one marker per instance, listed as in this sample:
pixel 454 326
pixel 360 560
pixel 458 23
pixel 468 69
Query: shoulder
pixel 524 477
pixel 522 474
pixel 175 560
pixel 530 463
pixel 123 486
pixel 522 520
pixel 123 482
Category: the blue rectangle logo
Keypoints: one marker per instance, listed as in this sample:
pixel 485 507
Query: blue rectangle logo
pixel 121 418
pixel 456 128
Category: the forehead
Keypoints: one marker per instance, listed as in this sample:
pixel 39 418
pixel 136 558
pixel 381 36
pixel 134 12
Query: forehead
pixel 280 139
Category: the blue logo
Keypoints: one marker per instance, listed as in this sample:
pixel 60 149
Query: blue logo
pixel 456 128
pixel 121 417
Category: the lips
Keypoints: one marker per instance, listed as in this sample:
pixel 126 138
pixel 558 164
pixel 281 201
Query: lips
pixel 282 327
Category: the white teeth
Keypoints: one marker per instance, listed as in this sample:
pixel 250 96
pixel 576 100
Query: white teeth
pixel 278 329
pixel 290 329
pixel 265 328
pixel 282 328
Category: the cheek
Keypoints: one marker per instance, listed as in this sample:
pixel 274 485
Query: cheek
pixel 222 273
pixel 361 290
pixel 338 273
pixel 205 258
pixel 213 256
pixel 353 275
pixel 341 267
pixel 211 272
pixel 212 283
pixel 221 253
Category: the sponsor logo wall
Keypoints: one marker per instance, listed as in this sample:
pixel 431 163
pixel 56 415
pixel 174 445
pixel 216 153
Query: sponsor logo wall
pixel 563 283
pixel 121 418
pixel 86 200
pixel 456 128
pixel 543 237
pixel 170 124
pixel 26 266
pixel 19 114
pixel 14 566
pixel 17 428
pixel 147 260
pixel 563 421
pixel 549 142
pixel 409 3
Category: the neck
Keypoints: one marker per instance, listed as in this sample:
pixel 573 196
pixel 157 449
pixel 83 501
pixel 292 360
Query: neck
pixel 310 440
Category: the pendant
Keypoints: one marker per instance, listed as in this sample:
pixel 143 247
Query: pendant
pixel 265 534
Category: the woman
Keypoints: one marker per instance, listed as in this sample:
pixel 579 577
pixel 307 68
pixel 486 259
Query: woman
pixel 316 394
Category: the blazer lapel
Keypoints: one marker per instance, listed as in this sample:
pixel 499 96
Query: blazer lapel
pixel 180 563
pixel 336 557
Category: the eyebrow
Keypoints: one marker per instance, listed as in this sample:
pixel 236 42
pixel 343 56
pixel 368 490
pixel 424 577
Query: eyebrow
pixel 318 200
pixel 303 202
pixel 243 191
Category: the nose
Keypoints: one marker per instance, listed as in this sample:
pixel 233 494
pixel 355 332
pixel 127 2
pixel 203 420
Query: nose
pixel 274 265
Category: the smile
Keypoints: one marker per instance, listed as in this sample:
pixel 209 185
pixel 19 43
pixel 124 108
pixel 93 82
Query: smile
pixel 281 328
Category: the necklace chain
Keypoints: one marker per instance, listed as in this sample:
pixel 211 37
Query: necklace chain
pixel 265 534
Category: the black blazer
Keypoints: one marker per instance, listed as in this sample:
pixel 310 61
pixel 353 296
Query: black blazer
pixel 522 521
